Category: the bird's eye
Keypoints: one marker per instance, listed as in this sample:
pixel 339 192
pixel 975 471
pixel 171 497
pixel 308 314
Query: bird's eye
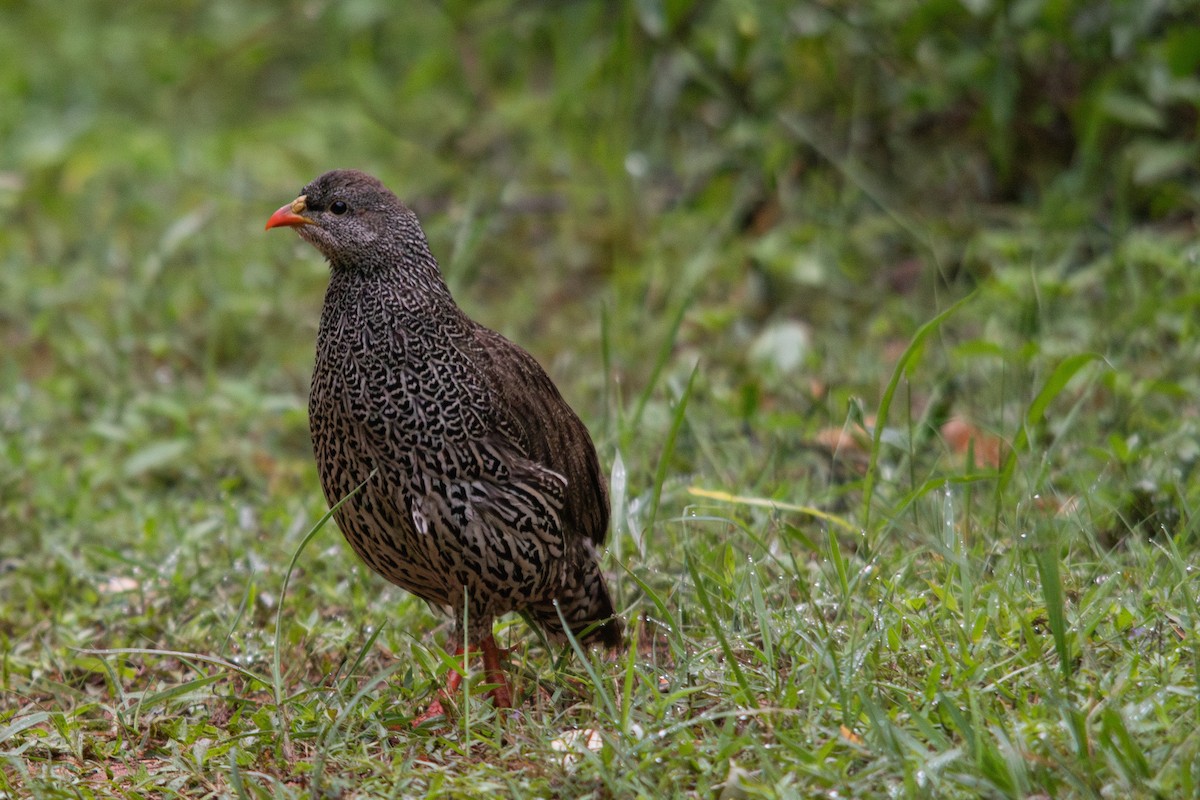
pixel 339 207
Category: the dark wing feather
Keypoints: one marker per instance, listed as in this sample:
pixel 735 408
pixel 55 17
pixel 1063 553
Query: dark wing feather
pixel 548 430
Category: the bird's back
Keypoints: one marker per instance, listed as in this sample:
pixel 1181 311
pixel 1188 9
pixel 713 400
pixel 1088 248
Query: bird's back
pixel 549 431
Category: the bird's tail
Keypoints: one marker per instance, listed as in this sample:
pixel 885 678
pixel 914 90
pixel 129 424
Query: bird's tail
pixel 588 610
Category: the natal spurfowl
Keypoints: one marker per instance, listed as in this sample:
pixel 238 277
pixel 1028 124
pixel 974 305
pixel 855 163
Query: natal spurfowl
pixel 483 491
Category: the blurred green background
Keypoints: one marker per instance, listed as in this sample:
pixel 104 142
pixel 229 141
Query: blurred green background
pixel 772 195
pixel 806 177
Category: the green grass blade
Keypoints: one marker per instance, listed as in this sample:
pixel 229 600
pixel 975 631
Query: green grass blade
pixel 660 361
pixel 1054 385
pixel 907 359
pixel 610 705
pixel 23 723
pixel 276 663
pixel 178 690
pixel 777 505
pixel 718 630
pixel 664 459
pixel 1045 554
pixel 182 655
pixel 277 685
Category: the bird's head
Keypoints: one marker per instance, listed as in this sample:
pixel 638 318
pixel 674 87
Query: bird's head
pixel 352 219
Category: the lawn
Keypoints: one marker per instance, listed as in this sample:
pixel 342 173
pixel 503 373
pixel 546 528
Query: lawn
pixel 883 317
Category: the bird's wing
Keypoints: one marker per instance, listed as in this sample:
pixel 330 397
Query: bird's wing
pixel 539 422
pixel 503 509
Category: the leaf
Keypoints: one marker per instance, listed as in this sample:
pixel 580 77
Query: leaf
pixel 10 730
pixel 1053 386
pixel 1156 161
pixel 1130 110
pixel 782 346
pixel 155 456
pixel 963 438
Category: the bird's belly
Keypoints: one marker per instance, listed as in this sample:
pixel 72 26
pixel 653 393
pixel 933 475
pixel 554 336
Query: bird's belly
pixel 391 546
pixel 424 532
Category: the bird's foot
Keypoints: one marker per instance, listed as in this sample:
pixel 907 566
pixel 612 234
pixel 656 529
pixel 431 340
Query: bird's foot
pixel 433 712
pixel 500 692
pixel 436 709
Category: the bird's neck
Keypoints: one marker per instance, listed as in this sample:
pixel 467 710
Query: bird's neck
pixel 411 289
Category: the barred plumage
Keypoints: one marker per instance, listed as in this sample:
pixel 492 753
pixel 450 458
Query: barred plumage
pixel 487 486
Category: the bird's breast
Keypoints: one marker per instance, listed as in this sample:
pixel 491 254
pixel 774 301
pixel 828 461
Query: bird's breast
pixel 391 383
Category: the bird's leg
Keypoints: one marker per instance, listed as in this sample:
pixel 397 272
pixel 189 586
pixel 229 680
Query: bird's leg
pixel 501 695
pixel 494 674
pixel 453 681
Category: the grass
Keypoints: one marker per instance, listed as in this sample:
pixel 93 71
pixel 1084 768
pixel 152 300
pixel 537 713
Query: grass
pixel 897 386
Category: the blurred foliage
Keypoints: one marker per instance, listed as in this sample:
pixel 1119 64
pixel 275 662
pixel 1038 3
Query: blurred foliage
pixel 782 191
pixel 777 188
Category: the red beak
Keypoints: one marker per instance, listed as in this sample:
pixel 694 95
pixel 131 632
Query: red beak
pixel 288 216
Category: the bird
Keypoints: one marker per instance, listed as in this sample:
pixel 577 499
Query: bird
pixel 464 477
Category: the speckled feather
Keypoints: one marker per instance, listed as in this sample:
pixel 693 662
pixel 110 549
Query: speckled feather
pixel 487 486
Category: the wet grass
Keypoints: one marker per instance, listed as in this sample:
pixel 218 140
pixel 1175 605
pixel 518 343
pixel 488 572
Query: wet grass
pixel 902 468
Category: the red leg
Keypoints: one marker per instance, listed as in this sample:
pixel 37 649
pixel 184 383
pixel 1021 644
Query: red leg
pixel 501 695
pixel 453 681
